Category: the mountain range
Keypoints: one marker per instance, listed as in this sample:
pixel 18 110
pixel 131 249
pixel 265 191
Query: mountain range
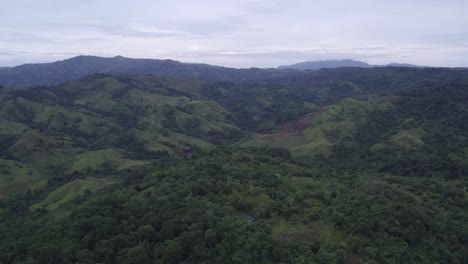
pixel 116 160
pixel 81 66
pixel 316 65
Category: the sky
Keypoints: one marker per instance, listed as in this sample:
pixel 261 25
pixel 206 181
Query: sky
pixel 237 33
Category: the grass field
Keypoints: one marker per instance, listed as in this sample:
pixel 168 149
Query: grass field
pixel 316 132
pixel 72 190
pixel 408 138
pixel 16 178
pixel 94 159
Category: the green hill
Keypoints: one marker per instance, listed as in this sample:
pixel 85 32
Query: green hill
pixel 107 123
pixel 316 133
pixel 332 166
pixel 147 117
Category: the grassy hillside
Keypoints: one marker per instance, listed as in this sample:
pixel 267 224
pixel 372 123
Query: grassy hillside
pixel 72 190
pixel 102 123
pixel 48 129
pixel 316 133
pixel 343 166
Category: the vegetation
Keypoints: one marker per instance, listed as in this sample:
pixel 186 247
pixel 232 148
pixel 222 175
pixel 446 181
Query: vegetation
pixel 333 166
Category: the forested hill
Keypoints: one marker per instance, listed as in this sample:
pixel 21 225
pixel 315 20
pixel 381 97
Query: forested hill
pixel 78 67
pixel 332 166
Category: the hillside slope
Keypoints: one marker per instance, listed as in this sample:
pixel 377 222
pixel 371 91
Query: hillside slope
pixel 102 123
pixel 368 166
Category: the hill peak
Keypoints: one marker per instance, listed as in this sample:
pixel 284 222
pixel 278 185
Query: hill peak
pixel 316 65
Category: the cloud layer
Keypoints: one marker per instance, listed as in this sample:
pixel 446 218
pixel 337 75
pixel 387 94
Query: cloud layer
pixel 237 33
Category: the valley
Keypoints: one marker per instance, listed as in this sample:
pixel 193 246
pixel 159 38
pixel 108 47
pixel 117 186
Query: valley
pixel 346 165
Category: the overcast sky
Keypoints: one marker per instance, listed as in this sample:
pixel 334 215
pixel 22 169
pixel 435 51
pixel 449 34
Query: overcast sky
pixel 237 33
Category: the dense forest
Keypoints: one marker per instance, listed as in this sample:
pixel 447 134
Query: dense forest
pixel 342 165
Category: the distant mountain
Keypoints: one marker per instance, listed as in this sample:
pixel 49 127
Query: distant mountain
pixel 403 65
pixel 81 66
pixel 316 65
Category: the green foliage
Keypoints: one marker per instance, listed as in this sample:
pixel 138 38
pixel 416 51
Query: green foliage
pixel 216 207
pixel 143 169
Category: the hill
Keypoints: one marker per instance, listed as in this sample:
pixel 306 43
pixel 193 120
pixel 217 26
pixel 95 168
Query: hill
pixel 403 65
pixel 103 124
pixel 81 66
pixel 316 65
pixel 326 64
pixel 347 165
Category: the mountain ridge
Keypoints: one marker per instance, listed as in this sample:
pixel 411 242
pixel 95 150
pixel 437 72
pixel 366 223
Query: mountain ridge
pixel 80 66
pixel 331 64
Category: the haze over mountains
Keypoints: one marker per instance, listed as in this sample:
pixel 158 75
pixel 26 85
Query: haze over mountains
pixel 81 66
pixel 316 65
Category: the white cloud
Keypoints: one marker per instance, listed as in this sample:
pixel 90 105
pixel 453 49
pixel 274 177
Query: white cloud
pixel 240 33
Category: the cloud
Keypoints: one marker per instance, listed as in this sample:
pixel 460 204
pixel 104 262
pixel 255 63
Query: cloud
pixel 240 33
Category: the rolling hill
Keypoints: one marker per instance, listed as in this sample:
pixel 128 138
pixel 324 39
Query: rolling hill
pixel 106 123
pixel 347 165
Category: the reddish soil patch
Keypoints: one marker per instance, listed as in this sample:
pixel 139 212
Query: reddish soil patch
pixel 276 135
pixel 296 126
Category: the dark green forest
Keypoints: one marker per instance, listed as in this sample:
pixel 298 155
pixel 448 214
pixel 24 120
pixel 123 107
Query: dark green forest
pixel 340 165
